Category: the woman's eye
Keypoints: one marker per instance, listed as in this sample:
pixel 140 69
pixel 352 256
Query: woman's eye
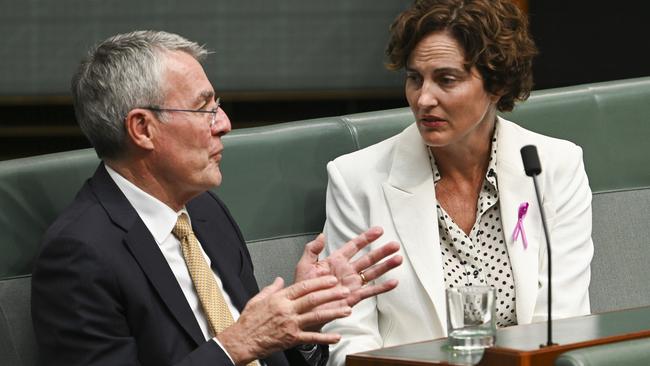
pixel 413 77
pixel 447 80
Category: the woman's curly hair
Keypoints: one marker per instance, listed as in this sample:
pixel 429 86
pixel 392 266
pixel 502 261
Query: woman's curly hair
pixel 492 33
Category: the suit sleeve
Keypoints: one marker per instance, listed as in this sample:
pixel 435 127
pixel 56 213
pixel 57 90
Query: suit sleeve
pixel 567 204
pixel 345 220
pixel 78 313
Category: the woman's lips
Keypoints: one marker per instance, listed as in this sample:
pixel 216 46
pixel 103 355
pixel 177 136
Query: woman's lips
pixel 432 121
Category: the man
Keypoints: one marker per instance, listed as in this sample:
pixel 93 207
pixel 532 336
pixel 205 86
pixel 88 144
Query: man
pixel 147 267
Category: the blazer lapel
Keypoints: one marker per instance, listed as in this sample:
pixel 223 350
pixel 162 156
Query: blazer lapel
pixel 146 252
pixel 410 194
pixel 515 188
pixel 225 256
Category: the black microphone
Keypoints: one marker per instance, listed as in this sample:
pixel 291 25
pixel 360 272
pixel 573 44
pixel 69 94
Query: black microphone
pixel 533 167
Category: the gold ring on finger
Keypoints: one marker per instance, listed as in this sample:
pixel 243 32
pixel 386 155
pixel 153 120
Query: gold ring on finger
pixel 364 280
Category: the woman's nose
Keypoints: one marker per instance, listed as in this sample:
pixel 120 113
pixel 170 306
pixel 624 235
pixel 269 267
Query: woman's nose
pixel 428 97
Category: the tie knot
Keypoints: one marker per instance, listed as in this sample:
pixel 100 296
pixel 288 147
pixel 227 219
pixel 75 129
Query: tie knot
pixel 182 228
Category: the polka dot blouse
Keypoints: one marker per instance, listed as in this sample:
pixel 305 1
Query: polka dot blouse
pixel 480 258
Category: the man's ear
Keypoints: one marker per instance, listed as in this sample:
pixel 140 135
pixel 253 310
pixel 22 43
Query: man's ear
pixel 139 124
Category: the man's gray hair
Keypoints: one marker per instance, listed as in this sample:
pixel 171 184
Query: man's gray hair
pixel 119 74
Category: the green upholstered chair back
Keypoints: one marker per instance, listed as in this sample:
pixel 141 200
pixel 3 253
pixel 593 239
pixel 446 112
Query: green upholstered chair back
pixel 33 191
pixel 274 182
pixel 274 176
pixel 610 121
pixel 627 353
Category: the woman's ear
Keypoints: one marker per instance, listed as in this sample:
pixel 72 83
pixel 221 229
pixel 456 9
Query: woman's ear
pixel 496 96
pixel 140 129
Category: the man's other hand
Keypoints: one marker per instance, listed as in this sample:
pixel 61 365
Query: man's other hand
pixel 278 318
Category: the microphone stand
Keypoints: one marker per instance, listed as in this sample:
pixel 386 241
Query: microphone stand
pixel 548 253
pixel 533 167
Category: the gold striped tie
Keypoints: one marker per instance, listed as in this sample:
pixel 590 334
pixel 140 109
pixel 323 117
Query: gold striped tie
pixel 210 296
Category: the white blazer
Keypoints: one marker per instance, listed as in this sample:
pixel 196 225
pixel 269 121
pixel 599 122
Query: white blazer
pixel 390 184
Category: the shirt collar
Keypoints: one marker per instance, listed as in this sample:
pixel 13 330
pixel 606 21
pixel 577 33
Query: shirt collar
pixel 159 218
pixel 491 173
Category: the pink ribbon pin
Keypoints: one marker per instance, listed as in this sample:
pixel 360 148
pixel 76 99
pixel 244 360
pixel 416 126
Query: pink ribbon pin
pixel 519 228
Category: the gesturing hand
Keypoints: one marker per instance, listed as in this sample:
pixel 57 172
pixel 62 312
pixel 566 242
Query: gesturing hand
pixel 354 275
pixel 278 318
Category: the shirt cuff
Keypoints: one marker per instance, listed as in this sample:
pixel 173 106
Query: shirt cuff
pixel 224 349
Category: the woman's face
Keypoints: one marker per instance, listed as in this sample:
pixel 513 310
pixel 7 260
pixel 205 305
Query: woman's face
pixel 449 103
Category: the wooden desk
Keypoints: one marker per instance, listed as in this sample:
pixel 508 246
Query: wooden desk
pixel 519 345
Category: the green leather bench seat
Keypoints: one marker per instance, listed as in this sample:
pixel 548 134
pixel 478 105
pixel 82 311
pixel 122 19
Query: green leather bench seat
pixel 33 191
pixel 274 181
pixel 628 353
pixel 610 121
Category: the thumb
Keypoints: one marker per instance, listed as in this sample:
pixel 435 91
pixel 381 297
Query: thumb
pixel 314 248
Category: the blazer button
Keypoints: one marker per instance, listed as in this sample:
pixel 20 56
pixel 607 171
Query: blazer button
pixel 539 284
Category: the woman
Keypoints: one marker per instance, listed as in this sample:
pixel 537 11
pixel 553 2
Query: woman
pixel 452 189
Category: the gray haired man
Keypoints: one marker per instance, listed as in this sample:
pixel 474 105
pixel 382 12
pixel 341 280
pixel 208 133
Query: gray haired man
pixel 146 266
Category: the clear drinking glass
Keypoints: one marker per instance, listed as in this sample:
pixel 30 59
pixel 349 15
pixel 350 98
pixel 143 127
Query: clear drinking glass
pixel 470 317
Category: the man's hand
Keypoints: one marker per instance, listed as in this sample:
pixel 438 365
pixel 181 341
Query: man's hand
pixel 277 318
pixel 355 275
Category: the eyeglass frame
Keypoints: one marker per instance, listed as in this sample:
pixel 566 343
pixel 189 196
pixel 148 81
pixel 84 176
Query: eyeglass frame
pixel 214 111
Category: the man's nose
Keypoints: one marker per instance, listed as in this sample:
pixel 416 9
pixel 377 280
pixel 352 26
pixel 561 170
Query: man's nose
pixel 222 125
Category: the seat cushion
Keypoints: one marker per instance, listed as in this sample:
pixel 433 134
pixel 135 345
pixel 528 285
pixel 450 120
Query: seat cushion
pixel 17 342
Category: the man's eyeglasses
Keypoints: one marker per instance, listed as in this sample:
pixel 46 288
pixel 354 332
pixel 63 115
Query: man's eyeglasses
pixel 213 111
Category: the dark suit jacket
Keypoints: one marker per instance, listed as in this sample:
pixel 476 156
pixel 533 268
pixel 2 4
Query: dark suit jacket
pixel 103 293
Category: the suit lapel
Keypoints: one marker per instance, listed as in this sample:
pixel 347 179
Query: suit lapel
pixel 515 187
pixel 410 195
pixel 225 257
pixel 146 252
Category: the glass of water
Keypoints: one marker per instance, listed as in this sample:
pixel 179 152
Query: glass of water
pixel 470 317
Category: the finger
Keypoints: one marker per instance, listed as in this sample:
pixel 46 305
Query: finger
pixel 371 290
pixel 313 249
pixel 302 288
pixel 274 287
pixel 318 338
pixel 322 316
pixel 375 256
pixel 313 299
pixel 377 270
pixel 356 244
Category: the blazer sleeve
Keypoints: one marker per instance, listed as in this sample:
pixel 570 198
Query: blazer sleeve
pixel 344 221
pixel 88 325
pixel 568 207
